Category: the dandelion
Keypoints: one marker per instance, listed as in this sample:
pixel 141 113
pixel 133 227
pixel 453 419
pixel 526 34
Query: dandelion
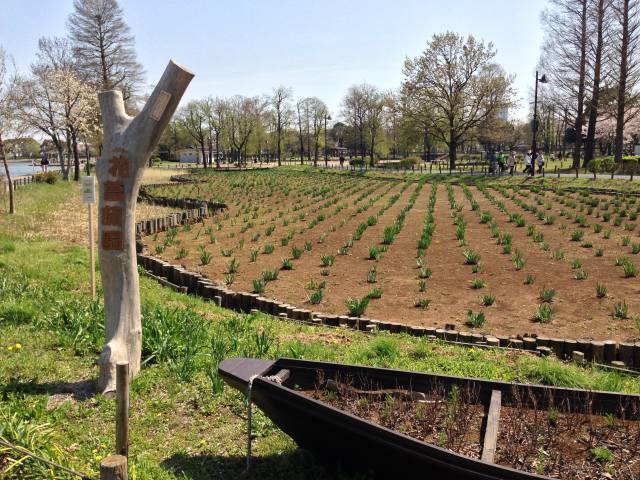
pixel 18 346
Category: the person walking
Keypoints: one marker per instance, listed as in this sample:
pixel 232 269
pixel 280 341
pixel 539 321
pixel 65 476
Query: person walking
pixel 502 166
pixel 527 162
pixel 511 163
pixel 492 163
pixel 540 161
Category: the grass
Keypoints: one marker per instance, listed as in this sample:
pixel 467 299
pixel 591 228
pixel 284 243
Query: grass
pixel 547 294
pixel 357 306
pixel 544 314
pixel 45 307
pixel 478 283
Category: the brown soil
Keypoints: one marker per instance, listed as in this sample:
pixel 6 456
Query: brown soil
pixel 578 313
pixel 567 442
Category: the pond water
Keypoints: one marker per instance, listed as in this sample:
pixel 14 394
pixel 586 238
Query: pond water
pixel 17 169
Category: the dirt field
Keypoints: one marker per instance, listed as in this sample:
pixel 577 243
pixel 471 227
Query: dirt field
pixel 523 239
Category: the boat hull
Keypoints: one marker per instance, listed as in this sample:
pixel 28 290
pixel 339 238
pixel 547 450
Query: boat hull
pixel 343 441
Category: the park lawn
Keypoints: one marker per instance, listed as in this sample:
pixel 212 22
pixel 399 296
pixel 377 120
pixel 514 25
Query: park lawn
pixel 184 424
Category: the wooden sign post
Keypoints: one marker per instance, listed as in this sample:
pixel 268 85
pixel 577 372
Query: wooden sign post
pixel 89 198
pixel 127 145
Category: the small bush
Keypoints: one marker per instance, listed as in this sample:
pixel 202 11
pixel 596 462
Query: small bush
pixel 621 310
pixel 316 297
pixel 475 320
pixel 544 313
pixel 46 177
pixel 471 257
pixel 357 306
pixel 375 293
pixel 488 300
pixel 478 283
pixel 287 264
pixel 547 294
pixel 423 303
pixel 259 285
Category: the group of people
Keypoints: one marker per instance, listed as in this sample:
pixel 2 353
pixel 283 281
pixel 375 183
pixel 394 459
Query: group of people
pixel 499 162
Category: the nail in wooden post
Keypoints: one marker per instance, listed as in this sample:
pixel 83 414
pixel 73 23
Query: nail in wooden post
pixel 122 409
pixel 114 467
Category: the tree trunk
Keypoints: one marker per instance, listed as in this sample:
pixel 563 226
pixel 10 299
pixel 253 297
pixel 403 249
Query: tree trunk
pixel 581 81
pixel 128 143
pixel 76 157
pixel 590 144
pixel 622 84
pixel 204 154
pixel 453 147
pixel 12 205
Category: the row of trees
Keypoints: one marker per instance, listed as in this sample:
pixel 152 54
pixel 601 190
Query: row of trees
pixel 453 95
pixel 57 98
pixel 591 55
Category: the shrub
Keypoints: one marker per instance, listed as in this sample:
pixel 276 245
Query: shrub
pixel 46 177
pixel 357 306
pixel 475 320
pixel 374 253
pixel 259 285
pixel 471 257
pixel 488 300
pixel 544 313
pixel 424 273
pixel 630 270
pixel 270 275
pixel 635 248
pixel 478 283
pixel 327 260
pixel 316 297
pixel 287 264
pixel 485 217
pixel 205 257
pixel 268 248
pixel 372 275
pixel 233 266
pixel 375 293
pixel 423 303
pixel 580 274
pixel 621 310
pixel 547 294
pixel 296 252
pixel 577 236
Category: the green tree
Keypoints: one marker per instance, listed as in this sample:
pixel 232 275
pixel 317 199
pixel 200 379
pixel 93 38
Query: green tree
pixel 457 80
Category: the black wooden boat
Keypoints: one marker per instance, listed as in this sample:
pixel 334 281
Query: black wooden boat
pixel 338 438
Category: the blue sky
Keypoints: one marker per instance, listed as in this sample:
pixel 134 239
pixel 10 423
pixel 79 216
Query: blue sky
pixel 319 48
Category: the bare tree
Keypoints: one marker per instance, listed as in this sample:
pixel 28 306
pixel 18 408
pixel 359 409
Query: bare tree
pixel 375 103
pixel 354 110
pixel 6 118
pixel 104 46
pixel 627 14
pixel 243 118
pixel 281 103
pixel 565 58
pixel 599 17
pixel 193 120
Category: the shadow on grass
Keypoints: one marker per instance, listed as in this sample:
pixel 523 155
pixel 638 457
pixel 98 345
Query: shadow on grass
pixel 296 465
pixel 78 391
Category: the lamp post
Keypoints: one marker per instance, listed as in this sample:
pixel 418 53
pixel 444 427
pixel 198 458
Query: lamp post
pixel 534 146
pixel 326 117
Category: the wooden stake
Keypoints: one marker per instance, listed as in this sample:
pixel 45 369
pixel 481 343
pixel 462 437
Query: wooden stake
pixel 122 409
pixel 113 467
pixel 491 431
pixel 92 253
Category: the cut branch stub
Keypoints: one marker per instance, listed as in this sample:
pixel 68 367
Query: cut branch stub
pixel 127 145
